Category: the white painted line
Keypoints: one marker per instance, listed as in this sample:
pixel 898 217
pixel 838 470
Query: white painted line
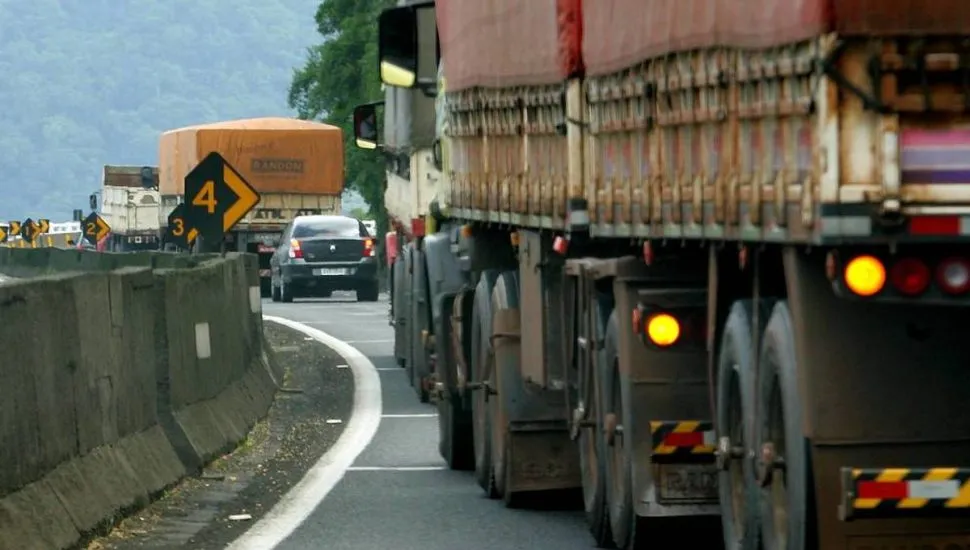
pixel 418 415
pixel 203 347
pixel 343 366
pixel 334 421
pixel 388 369
pixel 300 501
pixel 255 299
pixel 396 468
pixel 370 341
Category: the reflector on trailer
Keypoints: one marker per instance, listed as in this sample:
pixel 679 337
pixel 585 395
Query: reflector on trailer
pixel 900 492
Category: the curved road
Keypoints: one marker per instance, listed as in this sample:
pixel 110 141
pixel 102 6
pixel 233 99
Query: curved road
pixel 399 494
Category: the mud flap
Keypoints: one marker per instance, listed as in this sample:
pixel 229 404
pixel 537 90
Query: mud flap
pixel 539 454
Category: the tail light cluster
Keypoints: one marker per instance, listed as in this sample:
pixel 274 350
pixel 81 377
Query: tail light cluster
pixel 369 248
pixel 296 249
pixel 867 276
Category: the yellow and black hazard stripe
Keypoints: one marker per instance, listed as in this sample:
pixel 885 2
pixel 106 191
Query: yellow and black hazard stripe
pixel 682 441
pixel 905 492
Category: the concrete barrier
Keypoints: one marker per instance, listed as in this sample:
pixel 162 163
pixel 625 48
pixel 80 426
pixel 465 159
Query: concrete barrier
pixel 118 380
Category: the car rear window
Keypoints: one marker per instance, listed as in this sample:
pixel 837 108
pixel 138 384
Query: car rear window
pixel 329 227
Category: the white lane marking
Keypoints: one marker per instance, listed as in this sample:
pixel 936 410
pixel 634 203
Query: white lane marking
pixel 255 299
pixel 396 468
pixel 416 415
pixel 300 501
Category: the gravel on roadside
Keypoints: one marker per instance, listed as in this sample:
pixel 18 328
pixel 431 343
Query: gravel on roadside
pixel 234 491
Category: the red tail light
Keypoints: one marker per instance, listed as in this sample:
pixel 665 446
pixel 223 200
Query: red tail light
pixel 910 276
pixel 295 250
pixel 953 275
pixel 368 248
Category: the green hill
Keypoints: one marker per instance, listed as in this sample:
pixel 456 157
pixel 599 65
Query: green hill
pixel 93 82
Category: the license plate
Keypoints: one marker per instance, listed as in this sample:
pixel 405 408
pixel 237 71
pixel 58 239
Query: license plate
pixel 687 482
pixel 329 271
pixel 912 542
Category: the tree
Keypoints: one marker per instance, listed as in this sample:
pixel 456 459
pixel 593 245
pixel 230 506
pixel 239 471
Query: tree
pixel 339 74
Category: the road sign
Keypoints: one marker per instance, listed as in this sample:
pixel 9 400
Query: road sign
pixel 29 230
pixel 3 234
pixel 217 197
pixel 14 228
pixel 44 226
pixel 179 231
pixel 94 228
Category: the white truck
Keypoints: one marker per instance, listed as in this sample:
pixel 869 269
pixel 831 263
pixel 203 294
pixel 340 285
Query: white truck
pixel 130 206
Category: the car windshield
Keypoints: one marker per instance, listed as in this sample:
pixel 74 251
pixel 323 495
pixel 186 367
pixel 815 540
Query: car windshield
pixel 329 227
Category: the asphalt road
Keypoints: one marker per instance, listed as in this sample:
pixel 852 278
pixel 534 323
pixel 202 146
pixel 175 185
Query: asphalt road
pixel 403 496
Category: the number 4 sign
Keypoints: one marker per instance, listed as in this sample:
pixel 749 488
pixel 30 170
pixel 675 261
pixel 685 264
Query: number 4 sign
pixel 217 197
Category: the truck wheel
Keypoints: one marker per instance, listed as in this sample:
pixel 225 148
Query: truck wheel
pixel 592 451
pixel 274 292
pixel 783 461
pixel 481 425
pixel 592 455
pixel 737 483
pixel 618 456
pixel 504 368
pixel 286 295
pixel 453 428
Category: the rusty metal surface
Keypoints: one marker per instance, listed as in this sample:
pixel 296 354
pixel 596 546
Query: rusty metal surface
pixel 882 386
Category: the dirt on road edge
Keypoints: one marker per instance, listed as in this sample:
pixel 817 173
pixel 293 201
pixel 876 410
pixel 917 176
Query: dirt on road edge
pixel 236 490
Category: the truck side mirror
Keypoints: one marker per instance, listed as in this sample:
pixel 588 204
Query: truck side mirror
pixel 397 45
pixel 365 125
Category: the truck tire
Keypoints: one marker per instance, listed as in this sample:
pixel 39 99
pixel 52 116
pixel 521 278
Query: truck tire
pixel 779 427
pixel 505 295
pixel 454 419
pixel 592 446
pixel 481 421
pixel 735 409
pixel 618 460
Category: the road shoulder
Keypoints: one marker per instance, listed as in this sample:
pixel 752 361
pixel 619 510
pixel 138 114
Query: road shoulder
pixel 236 490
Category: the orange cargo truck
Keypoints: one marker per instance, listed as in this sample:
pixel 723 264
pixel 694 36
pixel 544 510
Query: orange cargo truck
pixel 296 165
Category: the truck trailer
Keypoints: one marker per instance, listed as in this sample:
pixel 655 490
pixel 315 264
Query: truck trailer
pixel 705 260
pixel 297 167
pixel 130 206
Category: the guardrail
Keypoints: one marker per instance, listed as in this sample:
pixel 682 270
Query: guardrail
pixel 122 373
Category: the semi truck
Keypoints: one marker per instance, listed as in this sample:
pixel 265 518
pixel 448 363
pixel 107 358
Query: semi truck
pixel 130 206
pixel 297 167
pixel 705 261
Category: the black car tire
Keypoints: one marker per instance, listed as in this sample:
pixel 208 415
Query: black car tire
pixel 368 292
pixel 286 295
